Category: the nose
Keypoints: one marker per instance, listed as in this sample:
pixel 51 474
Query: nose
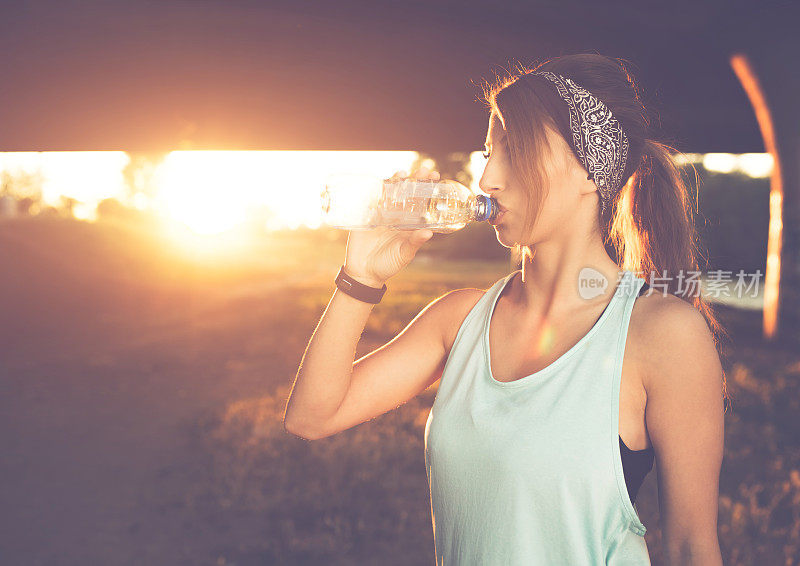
pixel 491 190
pixel 487 186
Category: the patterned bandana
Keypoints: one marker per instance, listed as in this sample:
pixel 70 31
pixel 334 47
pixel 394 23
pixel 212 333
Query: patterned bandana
pixel 597 136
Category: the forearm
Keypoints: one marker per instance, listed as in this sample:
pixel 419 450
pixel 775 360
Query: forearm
pixel 694 553
pixel 323 378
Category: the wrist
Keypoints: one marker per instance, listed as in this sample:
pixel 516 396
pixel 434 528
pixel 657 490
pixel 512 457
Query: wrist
pixel 367 290
pixel 364 279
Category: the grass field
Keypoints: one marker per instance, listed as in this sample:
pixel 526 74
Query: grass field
pixel 143 387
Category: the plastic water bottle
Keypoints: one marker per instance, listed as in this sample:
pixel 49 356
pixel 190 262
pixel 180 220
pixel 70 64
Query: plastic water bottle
pixel 360 202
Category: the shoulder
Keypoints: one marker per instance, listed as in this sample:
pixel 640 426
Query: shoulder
pixel 674 341
pixel 684 413
pixel 453 308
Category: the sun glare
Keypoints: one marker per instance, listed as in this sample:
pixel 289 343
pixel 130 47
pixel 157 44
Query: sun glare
pixel 214 191
pixel 205 190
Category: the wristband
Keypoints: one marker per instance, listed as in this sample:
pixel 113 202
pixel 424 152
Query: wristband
pixel 357 289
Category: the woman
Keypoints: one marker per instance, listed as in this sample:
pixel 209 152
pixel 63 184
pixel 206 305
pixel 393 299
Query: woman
pixel 552 404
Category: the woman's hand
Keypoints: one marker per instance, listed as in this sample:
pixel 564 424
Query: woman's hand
pixel 375 255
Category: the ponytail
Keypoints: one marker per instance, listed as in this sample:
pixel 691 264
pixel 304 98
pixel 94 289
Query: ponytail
pixel 653 233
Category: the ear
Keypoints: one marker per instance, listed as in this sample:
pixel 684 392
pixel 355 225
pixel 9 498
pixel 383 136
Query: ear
pixel 583 179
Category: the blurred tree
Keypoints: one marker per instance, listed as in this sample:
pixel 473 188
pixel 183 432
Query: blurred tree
pixel 25 187
pixel 66 205
pixel 139 175
pixel 453 165
pixel 27 205
pixel 110 208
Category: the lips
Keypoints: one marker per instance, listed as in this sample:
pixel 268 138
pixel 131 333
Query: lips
pixel 498 217
pixel 500 211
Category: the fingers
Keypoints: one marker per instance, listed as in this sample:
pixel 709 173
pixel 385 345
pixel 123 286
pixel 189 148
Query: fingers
pixel 398 175
pixel 409 247
pixel 423 173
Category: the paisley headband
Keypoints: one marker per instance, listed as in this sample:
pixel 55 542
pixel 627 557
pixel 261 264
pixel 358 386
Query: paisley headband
pixel 598 139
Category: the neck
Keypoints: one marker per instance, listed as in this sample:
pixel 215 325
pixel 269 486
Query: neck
pixel 566 276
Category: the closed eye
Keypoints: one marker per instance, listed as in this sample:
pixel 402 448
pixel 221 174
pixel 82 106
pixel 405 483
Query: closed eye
pixel 486 155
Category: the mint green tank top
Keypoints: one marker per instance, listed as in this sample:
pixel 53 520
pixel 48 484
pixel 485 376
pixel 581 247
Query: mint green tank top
pixel 529 472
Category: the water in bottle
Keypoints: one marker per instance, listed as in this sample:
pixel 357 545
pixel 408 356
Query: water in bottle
pixel 356 202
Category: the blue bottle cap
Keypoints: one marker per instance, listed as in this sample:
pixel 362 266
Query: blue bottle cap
pixel 487 208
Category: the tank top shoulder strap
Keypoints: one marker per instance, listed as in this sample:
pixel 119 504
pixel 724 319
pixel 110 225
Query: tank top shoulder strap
pixel 472 324
pixel 466 344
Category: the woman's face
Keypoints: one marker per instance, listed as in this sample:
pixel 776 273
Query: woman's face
pixel 562 171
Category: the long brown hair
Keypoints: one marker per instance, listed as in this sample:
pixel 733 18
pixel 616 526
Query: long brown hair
pixel 649 227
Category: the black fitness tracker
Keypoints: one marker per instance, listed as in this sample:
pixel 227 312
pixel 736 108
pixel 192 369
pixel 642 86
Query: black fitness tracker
pixel 358 290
